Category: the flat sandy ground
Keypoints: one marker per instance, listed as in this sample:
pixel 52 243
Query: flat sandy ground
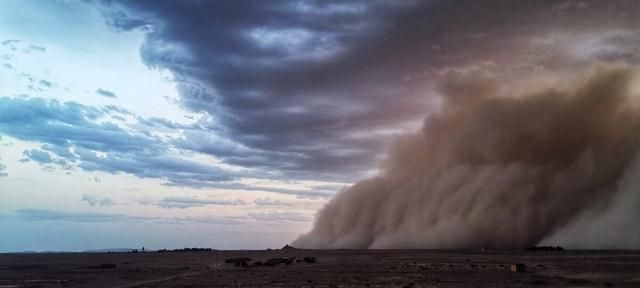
pixel 333 268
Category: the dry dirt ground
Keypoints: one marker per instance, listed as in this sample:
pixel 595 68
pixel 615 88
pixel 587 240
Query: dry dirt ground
pixel 333 268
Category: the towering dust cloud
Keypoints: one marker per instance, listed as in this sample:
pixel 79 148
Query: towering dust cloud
pixel 493 170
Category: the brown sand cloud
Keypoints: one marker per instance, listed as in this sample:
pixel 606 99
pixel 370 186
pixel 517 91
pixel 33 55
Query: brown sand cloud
pixel 493 170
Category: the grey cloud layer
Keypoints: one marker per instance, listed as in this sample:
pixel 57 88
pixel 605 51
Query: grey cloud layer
pixel 308 86
pixel 309 89
pixel 74 138
pixel 269 73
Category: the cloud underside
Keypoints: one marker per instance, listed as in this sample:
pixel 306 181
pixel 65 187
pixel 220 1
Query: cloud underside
pixel 79 137
pixel 306 89
pixel 74 138
pixel 312 88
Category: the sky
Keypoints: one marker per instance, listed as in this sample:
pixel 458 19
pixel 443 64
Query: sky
pixel 228 124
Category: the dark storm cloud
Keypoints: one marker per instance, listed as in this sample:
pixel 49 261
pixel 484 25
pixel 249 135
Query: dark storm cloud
pixel 260 70
pixel 307 87
pixel 106 93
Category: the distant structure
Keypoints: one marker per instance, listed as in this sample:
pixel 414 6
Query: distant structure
pixel 518 267
pixel 288 248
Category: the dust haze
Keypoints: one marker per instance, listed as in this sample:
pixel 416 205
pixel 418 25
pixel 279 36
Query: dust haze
pixel 497 170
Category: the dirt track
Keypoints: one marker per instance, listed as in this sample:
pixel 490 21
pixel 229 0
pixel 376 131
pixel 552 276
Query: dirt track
pixel 334 268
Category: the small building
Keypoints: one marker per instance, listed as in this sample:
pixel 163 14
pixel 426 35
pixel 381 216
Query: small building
pixel 518 267
pixel 288 248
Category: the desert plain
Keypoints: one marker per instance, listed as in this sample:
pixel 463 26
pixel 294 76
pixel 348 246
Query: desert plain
pixel 332 268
